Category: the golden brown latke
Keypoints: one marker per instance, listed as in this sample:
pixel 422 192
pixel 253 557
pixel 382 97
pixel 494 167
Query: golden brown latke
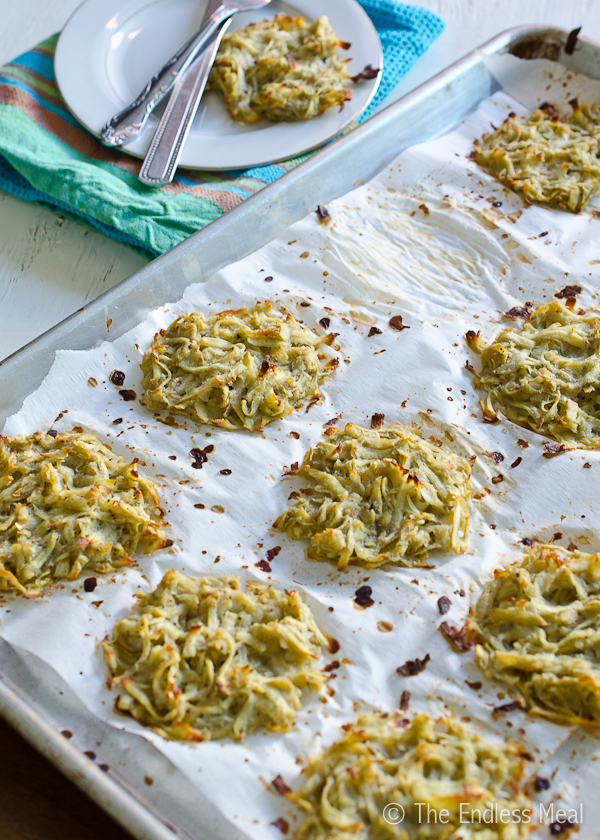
pixel 238 369
pixel 284 69
pixel 381 496
pixel 204 659
pixel 67 502
pixel 537 628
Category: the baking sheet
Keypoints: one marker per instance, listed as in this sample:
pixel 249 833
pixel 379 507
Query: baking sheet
pixel 423 240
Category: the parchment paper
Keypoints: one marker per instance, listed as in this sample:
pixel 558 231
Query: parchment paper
pixel 436 240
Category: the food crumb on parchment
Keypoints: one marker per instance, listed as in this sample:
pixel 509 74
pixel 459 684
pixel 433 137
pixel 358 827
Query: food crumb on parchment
pixel 412 667
pixel 444 604
pixel 363 597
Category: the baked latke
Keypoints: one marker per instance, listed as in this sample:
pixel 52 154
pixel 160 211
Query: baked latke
pixel 381 496
pixel 238 369
pixel 548 160
pixel 68 503
pixel 205 658
pixel 284 69
pixel 386 779
pixel 545 376
pixel 537 628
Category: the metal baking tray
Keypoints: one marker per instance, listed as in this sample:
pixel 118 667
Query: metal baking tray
pixel 130 778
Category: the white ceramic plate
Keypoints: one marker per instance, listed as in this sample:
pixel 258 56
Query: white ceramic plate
pixel 110 48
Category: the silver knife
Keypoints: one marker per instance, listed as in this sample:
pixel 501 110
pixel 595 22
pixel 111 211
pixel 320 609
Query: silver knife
pixel 162 157
pixel 127 123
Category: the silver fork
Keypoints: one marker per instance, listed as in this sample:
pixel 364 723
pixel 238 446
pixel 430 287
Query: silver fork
pixel 162 157
pixel 127 123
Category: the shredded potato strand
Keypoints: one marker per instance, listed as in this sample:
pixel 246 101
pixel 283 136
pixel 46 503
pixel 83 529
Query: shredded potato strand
pixel 69 503
pixel 204 659
pixel 380 761
pixel 547 160
pixel 537 626
pixel 239 369
pixel 381 496
pixel 546 376
pixel 284 69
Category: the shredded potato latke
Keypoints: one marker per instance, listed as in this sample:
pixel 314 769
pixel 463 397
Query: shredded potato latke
pixel 381 496
pixel 382 762
pixel 546 377
pixel 204 659
pixel 544 158
pixel 537 627
pixel 68 503
pixel 239 369
pixel 284 69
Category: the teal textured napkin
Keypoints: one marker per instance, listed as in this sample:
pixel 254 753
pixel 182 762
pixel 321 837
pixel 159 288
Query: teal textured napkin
pixel 46 156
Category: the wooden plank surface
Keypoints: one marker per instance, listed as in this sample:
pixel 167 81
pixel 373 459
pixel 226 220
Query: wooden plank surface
pixel 39 803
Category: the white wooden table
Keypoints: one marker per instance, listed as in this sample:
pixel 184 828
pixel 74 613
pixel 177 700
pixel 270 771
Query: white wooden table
pixel 50 266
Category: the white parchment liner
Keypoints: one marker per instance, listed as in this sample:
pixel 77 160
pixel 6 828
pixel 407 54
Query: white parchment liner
pixel 432 238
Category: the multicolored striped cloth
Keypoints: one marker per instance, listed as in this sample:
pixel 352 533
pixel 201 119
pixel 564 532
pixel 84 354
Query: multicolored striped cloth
pixel 46 156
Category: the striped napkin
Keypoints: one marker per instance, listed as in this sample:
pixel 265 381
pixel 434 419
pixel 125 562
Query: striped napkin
pixel 46 156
